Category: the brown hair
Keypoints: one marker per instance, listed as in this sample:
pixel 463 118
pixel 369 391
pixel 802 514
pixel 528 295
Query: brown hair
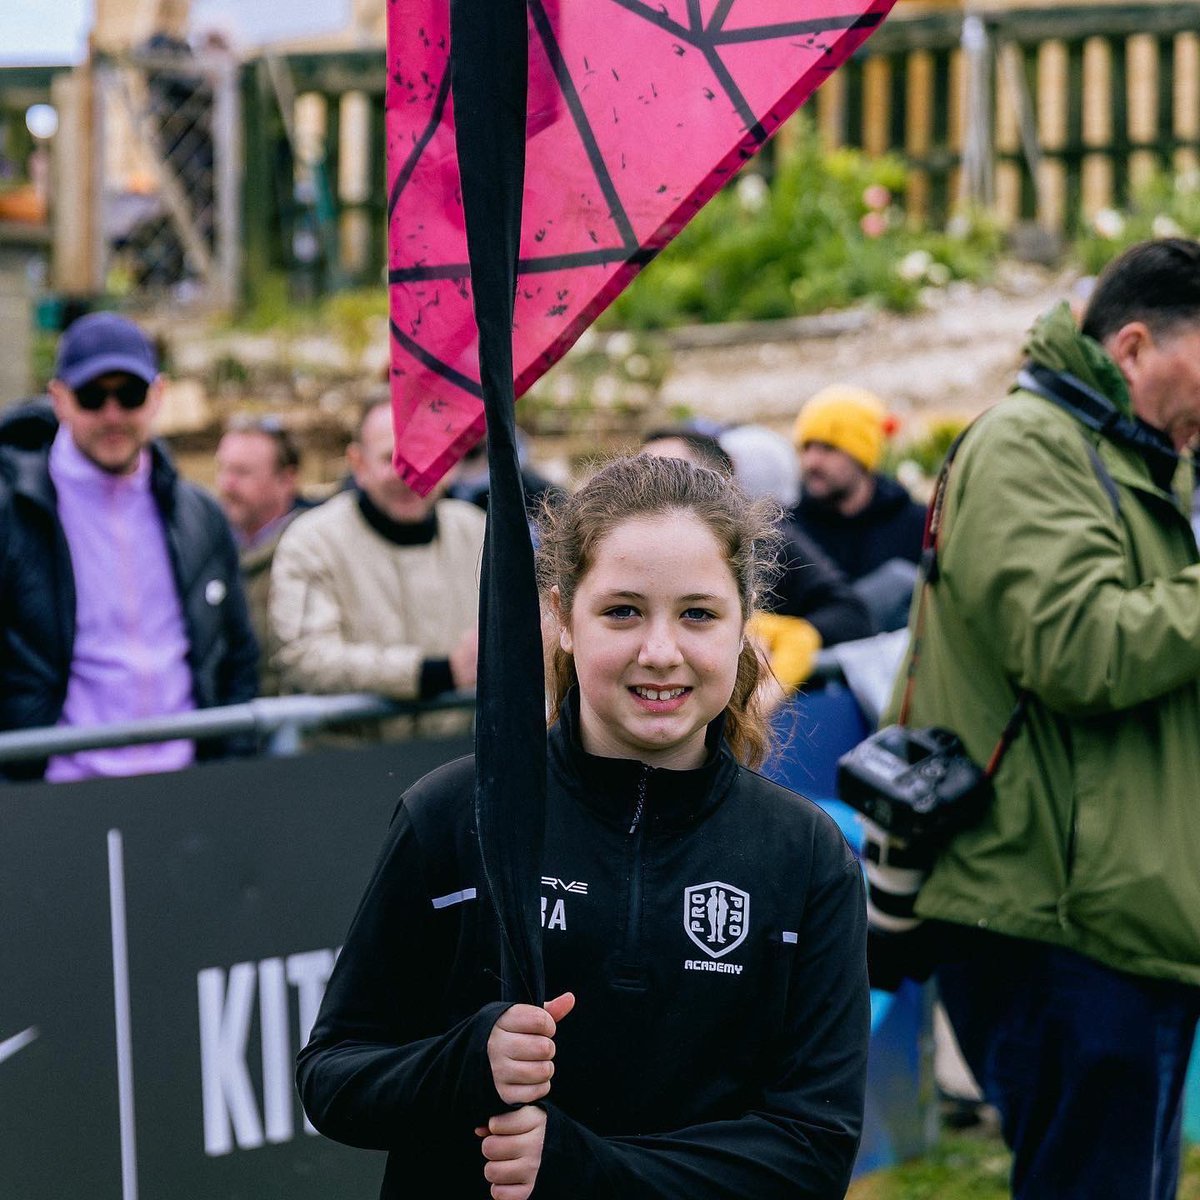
pixel 287 449
pixel 645 486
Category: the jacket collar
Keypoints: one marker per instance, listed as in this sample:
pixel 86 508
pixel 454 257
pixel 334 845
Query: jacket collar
pixel 1063 360
pixel 611 787
pixel 26 435
pixel 1056 342
pixel 399 533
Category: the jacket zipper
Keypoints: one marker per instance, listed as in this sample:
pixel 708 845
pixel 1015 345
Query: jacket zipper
pixel 640 807
pixel 633 927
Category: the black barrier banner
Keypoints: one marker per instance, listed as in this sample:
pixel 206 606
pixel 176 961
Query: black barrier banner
pixel 164 945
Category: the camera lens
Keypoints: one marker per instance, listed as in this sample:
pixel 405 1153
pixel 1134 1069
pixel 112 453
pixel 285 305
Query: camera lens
pixel 895 873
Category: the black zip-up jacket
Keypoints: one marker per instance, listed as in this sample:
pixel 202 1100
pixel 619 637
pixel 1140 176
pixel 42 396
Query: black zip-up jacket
pixel 891 526
pixel 711 925
pixel 810 585
pixel 37 588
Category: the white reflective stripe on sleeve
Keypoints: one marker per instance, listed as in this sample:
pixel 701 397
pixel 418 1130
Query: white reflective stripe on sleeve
pixel 454 898
pixel 789 937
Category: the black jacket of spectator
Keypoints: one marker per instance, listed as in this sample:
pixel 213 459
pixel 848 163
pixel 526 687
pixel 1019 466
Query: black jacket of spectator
pixel 537 491
pixel 37 588
pixel 891 526
pixel 812 586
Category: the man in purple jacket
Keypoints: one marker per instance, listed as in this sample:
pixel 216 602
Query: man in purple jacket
pixel 119 588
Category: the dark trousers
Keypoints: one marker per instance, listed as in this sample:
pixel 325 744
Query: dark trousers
pixel 1085 1065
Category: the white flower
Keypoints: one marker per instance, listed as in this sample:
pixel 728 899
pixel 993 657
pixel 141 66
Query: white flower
pixel 959 227
pixel 605 390
pixel 620 346
pixel 909 475
pixel 914 266
pixel 938 274
pixel 752 192
pixel 586 342
pixel 637 366
pixel 1108 223
pixel 564 389
pixel 1164 226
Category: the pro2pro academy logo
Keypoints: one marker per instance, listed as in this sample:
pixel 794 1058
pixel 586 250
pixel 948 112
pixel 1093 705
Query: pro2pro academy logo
pixel 716 916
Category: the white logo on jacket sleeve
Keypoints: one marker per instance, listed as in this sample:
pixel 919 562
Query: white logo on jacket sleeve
pixel 716 916
pixel 215 591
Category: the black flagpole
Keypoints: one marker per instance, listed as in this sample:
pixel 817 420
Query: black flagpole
pixel 489 56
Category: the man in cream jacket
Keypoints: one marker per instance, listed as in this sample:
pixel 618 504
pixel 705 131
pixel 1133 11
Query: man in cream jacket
pixel 378 589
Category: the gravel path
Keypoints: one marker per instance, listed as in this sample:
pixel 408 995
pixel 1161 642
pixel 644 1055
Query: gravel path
pixel 957 356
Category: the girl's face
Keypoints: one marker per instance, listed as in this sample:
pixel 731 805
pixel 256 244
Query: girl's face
pixel 655 631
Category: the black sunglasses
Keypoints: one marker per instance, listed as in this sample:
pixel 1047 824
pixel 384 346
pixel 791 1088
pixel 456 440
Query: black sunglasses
pixel 131 394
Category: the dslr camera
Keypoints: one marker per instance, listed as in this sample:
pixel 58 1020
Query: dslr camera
pixel 915 788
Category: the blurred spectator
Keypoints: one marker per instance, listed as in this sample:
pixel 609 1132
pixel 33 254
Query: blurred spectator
pixel 119 580
pixel 377 590
pixel 809 600
pixel 763 462
pixel 866 522
pixel 470 480
pixel 258 483
pixel 692 445
pixel 810 584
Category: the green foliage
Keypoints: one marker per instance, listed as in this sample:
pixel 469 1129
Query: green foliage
pixel 929 451
pixel 347 314
pixel 271 307
pixel 1189 1175
pixel 971 1166
pixel 228 372
pixel 352 316
pixel 617 373
pixel 45 347
pixel 961 1167
pixel 827 232
pixel 1167 205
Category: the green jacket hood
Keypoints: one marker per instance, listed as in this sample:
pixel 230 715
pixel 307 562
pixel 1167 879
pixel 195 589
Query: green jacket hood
pixel 1056 342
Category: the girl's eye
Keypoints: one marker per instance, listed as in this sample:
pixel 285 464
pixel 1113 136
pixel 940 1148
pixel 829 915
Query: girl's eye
pixel 621 612
pixel 698 614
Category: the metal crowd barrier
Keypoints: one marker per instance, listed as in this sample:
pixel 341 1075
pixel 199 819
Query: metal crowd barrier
pixel 277 721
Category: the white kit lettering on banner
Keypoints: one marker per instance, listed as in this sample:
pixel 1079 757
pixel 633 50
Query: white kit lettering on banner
pixel 233 1114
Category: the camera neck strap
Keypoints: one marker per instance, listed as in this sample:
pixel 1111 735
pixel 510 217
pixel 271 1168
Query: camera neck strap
pixel 1097 412
pixel 1093 411
pixel 929 576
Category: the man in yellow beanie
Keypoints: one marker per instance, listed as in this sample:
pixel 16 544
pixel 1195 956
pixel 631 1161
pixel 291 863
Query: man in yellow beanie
pixel 866 522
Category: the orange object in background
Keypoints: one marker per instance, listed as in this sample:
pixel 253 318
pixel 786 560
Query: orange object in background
pixel 23 204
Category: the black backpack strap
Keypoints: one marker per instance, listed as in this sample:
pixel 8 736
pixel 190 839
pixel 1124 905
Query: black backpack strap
pixel 1107 482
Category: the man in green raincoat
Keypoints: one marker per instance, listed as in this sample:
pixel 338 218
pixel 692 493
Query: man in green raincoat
pixel 1067 570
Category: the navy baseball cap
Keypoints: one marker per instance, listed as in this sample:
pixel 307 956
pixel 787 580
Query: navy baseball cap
pixel 100 344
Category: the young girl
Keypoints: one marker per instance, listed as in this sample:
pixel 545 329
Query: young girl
pixel 704 928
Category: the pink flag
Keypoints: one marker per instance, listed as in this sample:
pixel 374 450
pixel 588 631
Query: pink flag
pixel 637 114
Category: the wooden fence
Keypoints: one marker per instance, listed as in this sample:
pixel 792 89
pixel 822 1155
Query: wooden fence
pixel 1038 115
pixel 315 183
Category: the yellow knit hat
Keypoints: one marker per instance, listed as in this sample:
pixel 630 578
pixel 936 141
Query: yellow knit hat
pixel 851 419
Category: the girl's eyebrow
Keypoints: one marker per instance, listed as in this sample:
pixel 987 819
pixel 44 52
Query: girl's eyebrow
pixel 690 598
